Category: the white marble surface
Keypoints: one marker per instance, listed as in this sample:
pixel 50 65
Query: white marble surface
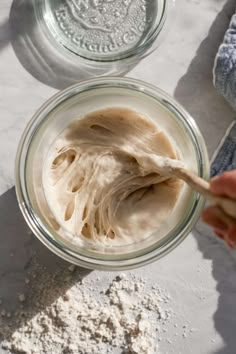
pixel 200 274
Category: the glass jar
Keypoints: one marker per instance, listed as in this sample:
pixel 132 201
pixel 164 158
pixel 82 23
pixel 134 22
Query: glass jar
pixel 105 33
pixel 74 102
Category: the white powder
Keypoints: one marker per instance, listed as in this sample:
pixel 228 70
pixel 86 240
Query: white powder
pixel 123 317
pixel 21 297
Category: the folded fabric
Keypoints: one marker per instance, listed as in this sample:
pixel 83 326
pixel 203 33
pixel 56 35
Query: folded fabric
pixel 224 71
pixel 224 158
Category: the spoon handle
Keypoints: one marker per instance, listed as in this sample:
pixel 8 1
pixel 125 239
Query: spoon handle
pixel 201 186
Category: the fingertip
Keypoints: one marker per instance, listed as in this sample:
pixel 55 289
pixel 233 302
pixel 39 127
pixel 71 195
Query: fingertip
pixel 213 216
pixel 219 233
pixel 230 243
pixel 216 184
pixel 208 212
pixel 225 184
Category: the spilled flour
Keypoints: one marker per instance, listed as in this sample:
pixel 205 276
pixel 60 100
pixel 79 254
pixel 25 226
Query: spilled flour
pixel 121 317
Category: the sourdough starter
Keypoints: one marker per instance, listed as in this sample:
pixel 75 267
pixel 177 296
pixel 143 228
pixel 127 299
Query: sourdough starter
pixel 98 183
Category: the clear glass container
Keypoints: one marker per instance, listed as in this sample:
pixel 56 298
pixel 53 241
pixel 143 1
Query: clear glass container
pixel 105 31
pixel 74 102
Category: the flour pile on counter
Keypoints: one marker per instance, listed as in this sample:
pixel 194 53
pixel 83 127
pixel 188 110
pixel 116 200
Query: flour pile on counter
pixel 88 319
pixel 101 182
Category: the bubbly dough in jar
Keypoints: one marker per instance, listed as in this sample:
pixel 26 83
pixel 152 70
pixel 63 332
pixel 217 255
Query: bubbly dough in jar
pixel 97 183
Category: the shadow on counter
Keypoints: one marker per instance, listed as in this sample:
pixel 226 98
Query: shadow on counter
pixel 46 60
pixel 196 93
pixel 27 267
pixel 5 35
pixel 195 90
pixel 224 272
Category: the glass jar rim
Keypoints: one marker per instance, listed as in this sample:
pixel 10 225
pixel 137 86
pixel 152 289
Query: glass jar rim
pixel 139 52
pixel 33 219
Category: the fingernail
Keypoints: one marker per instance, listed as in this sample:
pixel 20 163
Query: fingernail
pixel 230 244
pixel 229 241
pixel 222 227
pixel 215 178
pixel 218 233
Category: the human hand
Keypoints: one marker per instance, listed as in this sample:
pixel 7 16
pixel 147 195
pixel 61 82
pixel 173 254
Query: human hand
pixel 225 228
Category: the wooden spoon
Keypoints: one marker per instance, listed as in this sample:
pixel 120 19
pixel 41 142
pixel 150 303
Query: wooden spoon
pixel 170 167
pixel 203 187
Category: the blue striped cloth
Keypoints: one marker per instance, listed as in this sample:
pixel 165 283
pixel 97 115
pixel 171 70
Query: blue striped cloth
pixel 225 157
pixel 224 70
